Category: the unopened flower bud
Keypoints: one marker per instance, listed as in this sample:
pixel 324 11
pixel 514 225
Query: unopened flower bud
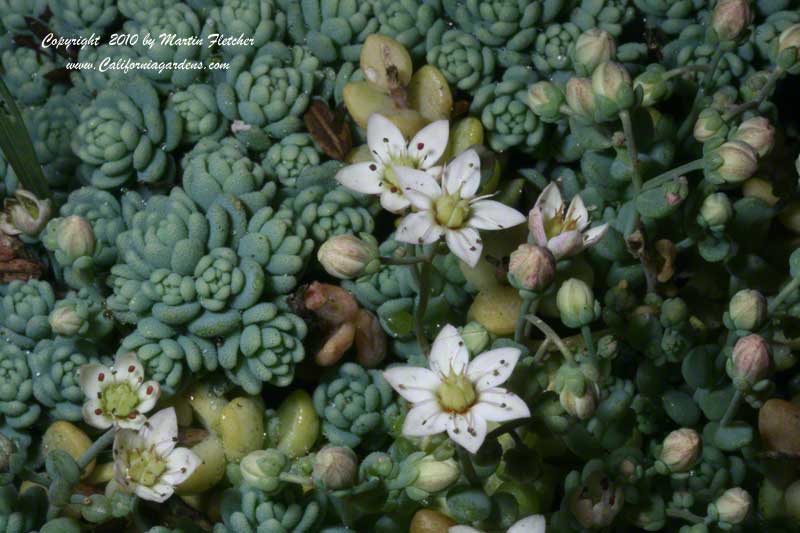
pixel 576 303
pixel 610 81
pixel 709 124
pixel 66 321
pixel 347 256
pixel 580 97
pixel 594 46
pixel 262 468
pixel 681 449
pixel 335 467
pixel 731 18
pixel 24 214
pixel 758 133
pixel 545 99
pixel 476 337
pixel 750 359
pixel 532 267
pixel 716 210
pixel 748 309
pixel 761 189
pixel 582 407
pixel 597 501
pixel 653 85
pixel 739 161
pixel 674 311
pixel 435 476
pixel 75 237
pixel 788 49
pixel 734 505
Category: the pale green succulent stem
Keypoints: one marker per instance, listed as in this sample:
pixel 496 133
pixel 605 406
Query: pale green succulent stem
pixel 676 172
pixel 294 478
pixel 683 70
pixel 102 442
pixel 688 123
pixel 528 306
pixel 404 260
pixel 507 427
pixel 586 331
pixel 553 336
pixel 785 293
pixel 762 94
pixel 423 278
pixel 733 407
pixel 685 514
pixel 633 153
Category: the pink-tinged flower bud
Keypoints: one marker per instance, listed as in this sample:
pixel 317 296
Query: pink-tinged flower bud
pixel 580 96
pixel 751 359
pixel 532 267
pixel 731 18
pixel 748 309
pixel 347 256
pixel 335 467
pixel 739 161
pixel 734 505
pixel 593 47
pixel 758 133
pixel 680 450
pixel 610 80
pixel 75 237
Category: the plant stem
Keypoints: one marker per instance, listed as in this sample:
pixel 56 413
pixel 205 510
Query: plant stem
pixel 102 442
pixel 524 309
pixel 785 292
pixel 413 260
pixel 730 412
pixel 683 70
pixel 553 336
pixel 688 123
pixel 422 305
pixel 586 331
pixel 633 154
pixel 685 514
pixel 294 478
pixel 466 466
pixel 756 102
pixel 508 427
pixel 676 172
pixel 685 244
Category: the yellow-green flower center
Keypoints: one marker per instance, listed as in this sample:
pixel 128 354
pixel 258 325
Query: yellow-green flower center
pixel 145 467
pixel 456 393
pixel 119 399
pixel 451 211
pixel 389 176
pixel 559 224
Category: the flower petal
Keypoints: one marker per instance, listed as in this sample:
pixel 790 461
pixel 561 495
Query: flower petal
pixel 566 244
pixel 594 235
pixel 93 378
pixel 426 418
pixel 465 244
pixel 429 143
pixel 90 412
pixel 468 430
pixel 362 177
pixel 532 524
pixel 413 383
pixel 463 173
pixel 127 368
pixel 394 202
pixel 448 352
pixel 157 493
pixel 135 423
pixel 463 529
pixel 578 213
pixel 162 431
pixel 550 201
pixel 492 368
pixel 536 226
pixel 384 138
pixel 499 405
pixel 419 228
pixel 492 215
pixel 149 392
pixel 181 463
pixel 418 186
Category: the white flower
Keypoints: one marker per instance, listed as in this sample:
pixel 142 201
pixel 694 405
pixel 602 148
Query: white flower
pixel 388 149
pixel 451 209
pixel 147 463
pixel 456 395
pixel 118 395
pixel 532 524
pixel 560 228
pixel 25 214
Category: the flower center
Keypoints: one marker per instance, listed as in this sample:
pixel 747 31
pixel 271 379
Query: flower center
pixel 559 224
pixel 119 399
pixel 145 467
pixel 451 211
pixel 456 393
pixel 400 160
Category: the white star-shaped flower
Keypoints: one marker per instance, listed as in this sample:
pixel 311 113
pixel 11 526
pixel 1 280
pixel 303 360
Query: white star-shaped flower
pixel 118 395
pixel 532 524
pixel 147 463
pixel 389 150
pixel 451 210
pixel 560 228
pixel 457 395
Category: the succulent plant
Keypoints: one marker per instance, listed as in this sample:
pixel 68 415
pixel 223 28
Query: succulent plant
pixel 26 306
pixel 26 75
pixel 51 127
pixel 262 20
pixel 247 509
pixel 464 61
pixel 76 18
pixel 197 106
pixel 16 396
pixel 288 158
pixel 409 21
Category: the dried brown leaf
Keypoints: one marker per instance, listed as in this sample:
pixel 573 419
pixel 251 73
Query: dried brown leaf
pixel 329 131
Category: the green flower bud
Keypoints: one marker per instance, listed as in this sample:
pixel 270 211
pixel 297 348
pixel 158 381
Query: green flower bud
pixel 592 48
pixel 734 505
pixel 748 309
pixel 731 18
pixel 680 450
pixel 653 85
pixel 739 162
pixel 66 321
pixel 435 476
pixel 531 267
pixel 475 337
pixel 75 237
pixel 262 468
pixel 750 360
pixel 335 467
pixel 709 125
pixel 576 303
pixel 673 312
pixel 715 211
pixel 347 257
pixel 758 133
pixel 581 406
pixel 580 97
pixel 611 83
pixel 545 99
pixel 788 49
